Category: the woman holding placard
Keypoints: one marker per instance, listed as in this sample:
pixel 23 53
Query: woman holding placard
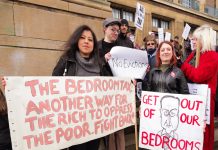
pixel 166 77
pixel 80 59
pixel 204 72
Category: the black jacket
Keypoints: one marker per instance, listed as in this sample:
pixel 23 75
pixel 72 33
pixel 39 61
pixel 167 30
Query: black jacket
pixel 104 48
pixel 68 67
pixel 65 67
pixel 5 139
pixel 124 41
pixel 171 81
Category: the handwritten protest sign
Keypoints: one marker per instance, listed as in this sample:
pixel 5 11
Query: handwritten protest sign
pixel 203 90
pixel 213 37
pixel 171 121
pixel 128 62
pixel 50 113
pixel 167 36
pixel 139 16
pixel 186 31
pixel 160 35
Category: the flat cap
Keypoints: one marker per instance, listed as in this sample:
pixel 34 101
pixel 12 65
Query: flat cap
pixel 111 21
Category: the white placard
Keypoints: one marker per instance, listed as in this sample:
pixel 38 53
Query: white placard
pixel 52 113
pixel 203 90
pixel 186 31
pixel 167 36
pixel 213 38
pixel 139 16
pixel 128 62
pixel 171 121
pixel 160 35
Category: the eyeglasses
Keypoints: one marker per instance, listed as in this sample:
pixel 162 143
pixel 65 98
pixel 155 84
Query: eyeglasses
pixel 115 30
pixel 148 44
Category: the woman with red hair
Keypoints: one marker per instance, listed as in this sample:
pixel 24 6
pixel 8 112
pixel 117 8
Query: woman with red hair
pixel 166 77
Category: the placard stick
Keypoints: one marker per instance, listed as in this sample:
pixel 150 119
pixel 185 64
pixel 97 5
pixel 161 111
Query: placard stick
pixel 183 48
pixel 138 38
pixel 197 54
pixel 136 131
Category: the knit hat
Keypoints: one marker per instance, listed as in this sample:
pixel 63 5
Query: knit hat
pixel 124 21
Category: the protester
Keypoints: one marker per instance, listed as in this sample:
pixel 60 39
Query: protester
pixel 115 141
pixel 80 59
pixel 123 39
pixel 178 49
pixel 187 48
pixel 111 29
pixel 5 139
pixel 166 77
pixel 205 73
pixel 151 46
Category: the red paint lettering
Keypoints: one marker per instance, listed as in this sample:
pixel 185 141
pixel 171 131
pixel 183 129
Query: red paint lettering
pixel 75 132
pixel 150 99
pixel 70 86
pixel 149 112
pixel 32 85
pixel 193 120
pixel 191 105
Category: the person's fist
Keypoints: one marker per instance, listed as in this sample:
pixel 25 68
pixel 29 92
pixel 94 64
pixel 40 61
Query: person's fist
pixel 3 82
pixel 107 56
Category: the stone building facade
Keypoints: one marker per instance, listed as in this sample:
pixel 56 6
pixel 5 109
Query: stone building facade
pixel 32 32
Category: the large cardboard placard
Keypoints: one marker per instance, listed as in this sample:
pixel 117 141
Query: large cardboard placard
pixel 51 113
pixel 171 121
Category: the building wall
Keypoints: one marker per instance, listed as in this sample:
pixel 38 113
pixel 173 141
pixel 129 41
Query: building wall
pixel 177 15
pixel 32 32
pixel 211 3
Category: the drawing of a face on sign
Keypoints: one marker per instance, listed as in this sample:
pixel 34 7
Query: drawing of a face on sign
pixel 169 115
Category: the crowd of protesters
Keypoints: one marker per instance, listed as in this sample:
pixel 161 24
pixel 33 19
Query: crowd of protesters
pixel 85 56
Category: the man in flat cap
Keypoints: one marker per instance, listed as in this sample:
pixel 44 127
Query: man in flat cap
pixel 111 26
pixel 111 29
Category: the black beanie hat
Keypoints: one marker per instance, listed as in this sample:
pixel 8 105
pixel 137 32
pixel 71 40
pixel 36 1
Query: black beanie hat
pixel 124 21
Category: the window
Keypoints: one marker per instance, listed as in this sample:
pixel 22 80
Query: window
pixel 186 3
pixel 128 16
pixel 122 14
pixel 160 23
pixel 116 13
pixel 164 24
pixel 155 22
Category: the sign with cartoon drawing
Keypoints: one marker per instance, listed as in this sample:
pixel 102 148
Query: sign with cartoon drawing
pixel 171 121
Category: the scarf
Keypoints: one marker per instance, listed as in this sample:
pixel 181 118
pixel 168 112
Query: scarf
pixel 87 66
